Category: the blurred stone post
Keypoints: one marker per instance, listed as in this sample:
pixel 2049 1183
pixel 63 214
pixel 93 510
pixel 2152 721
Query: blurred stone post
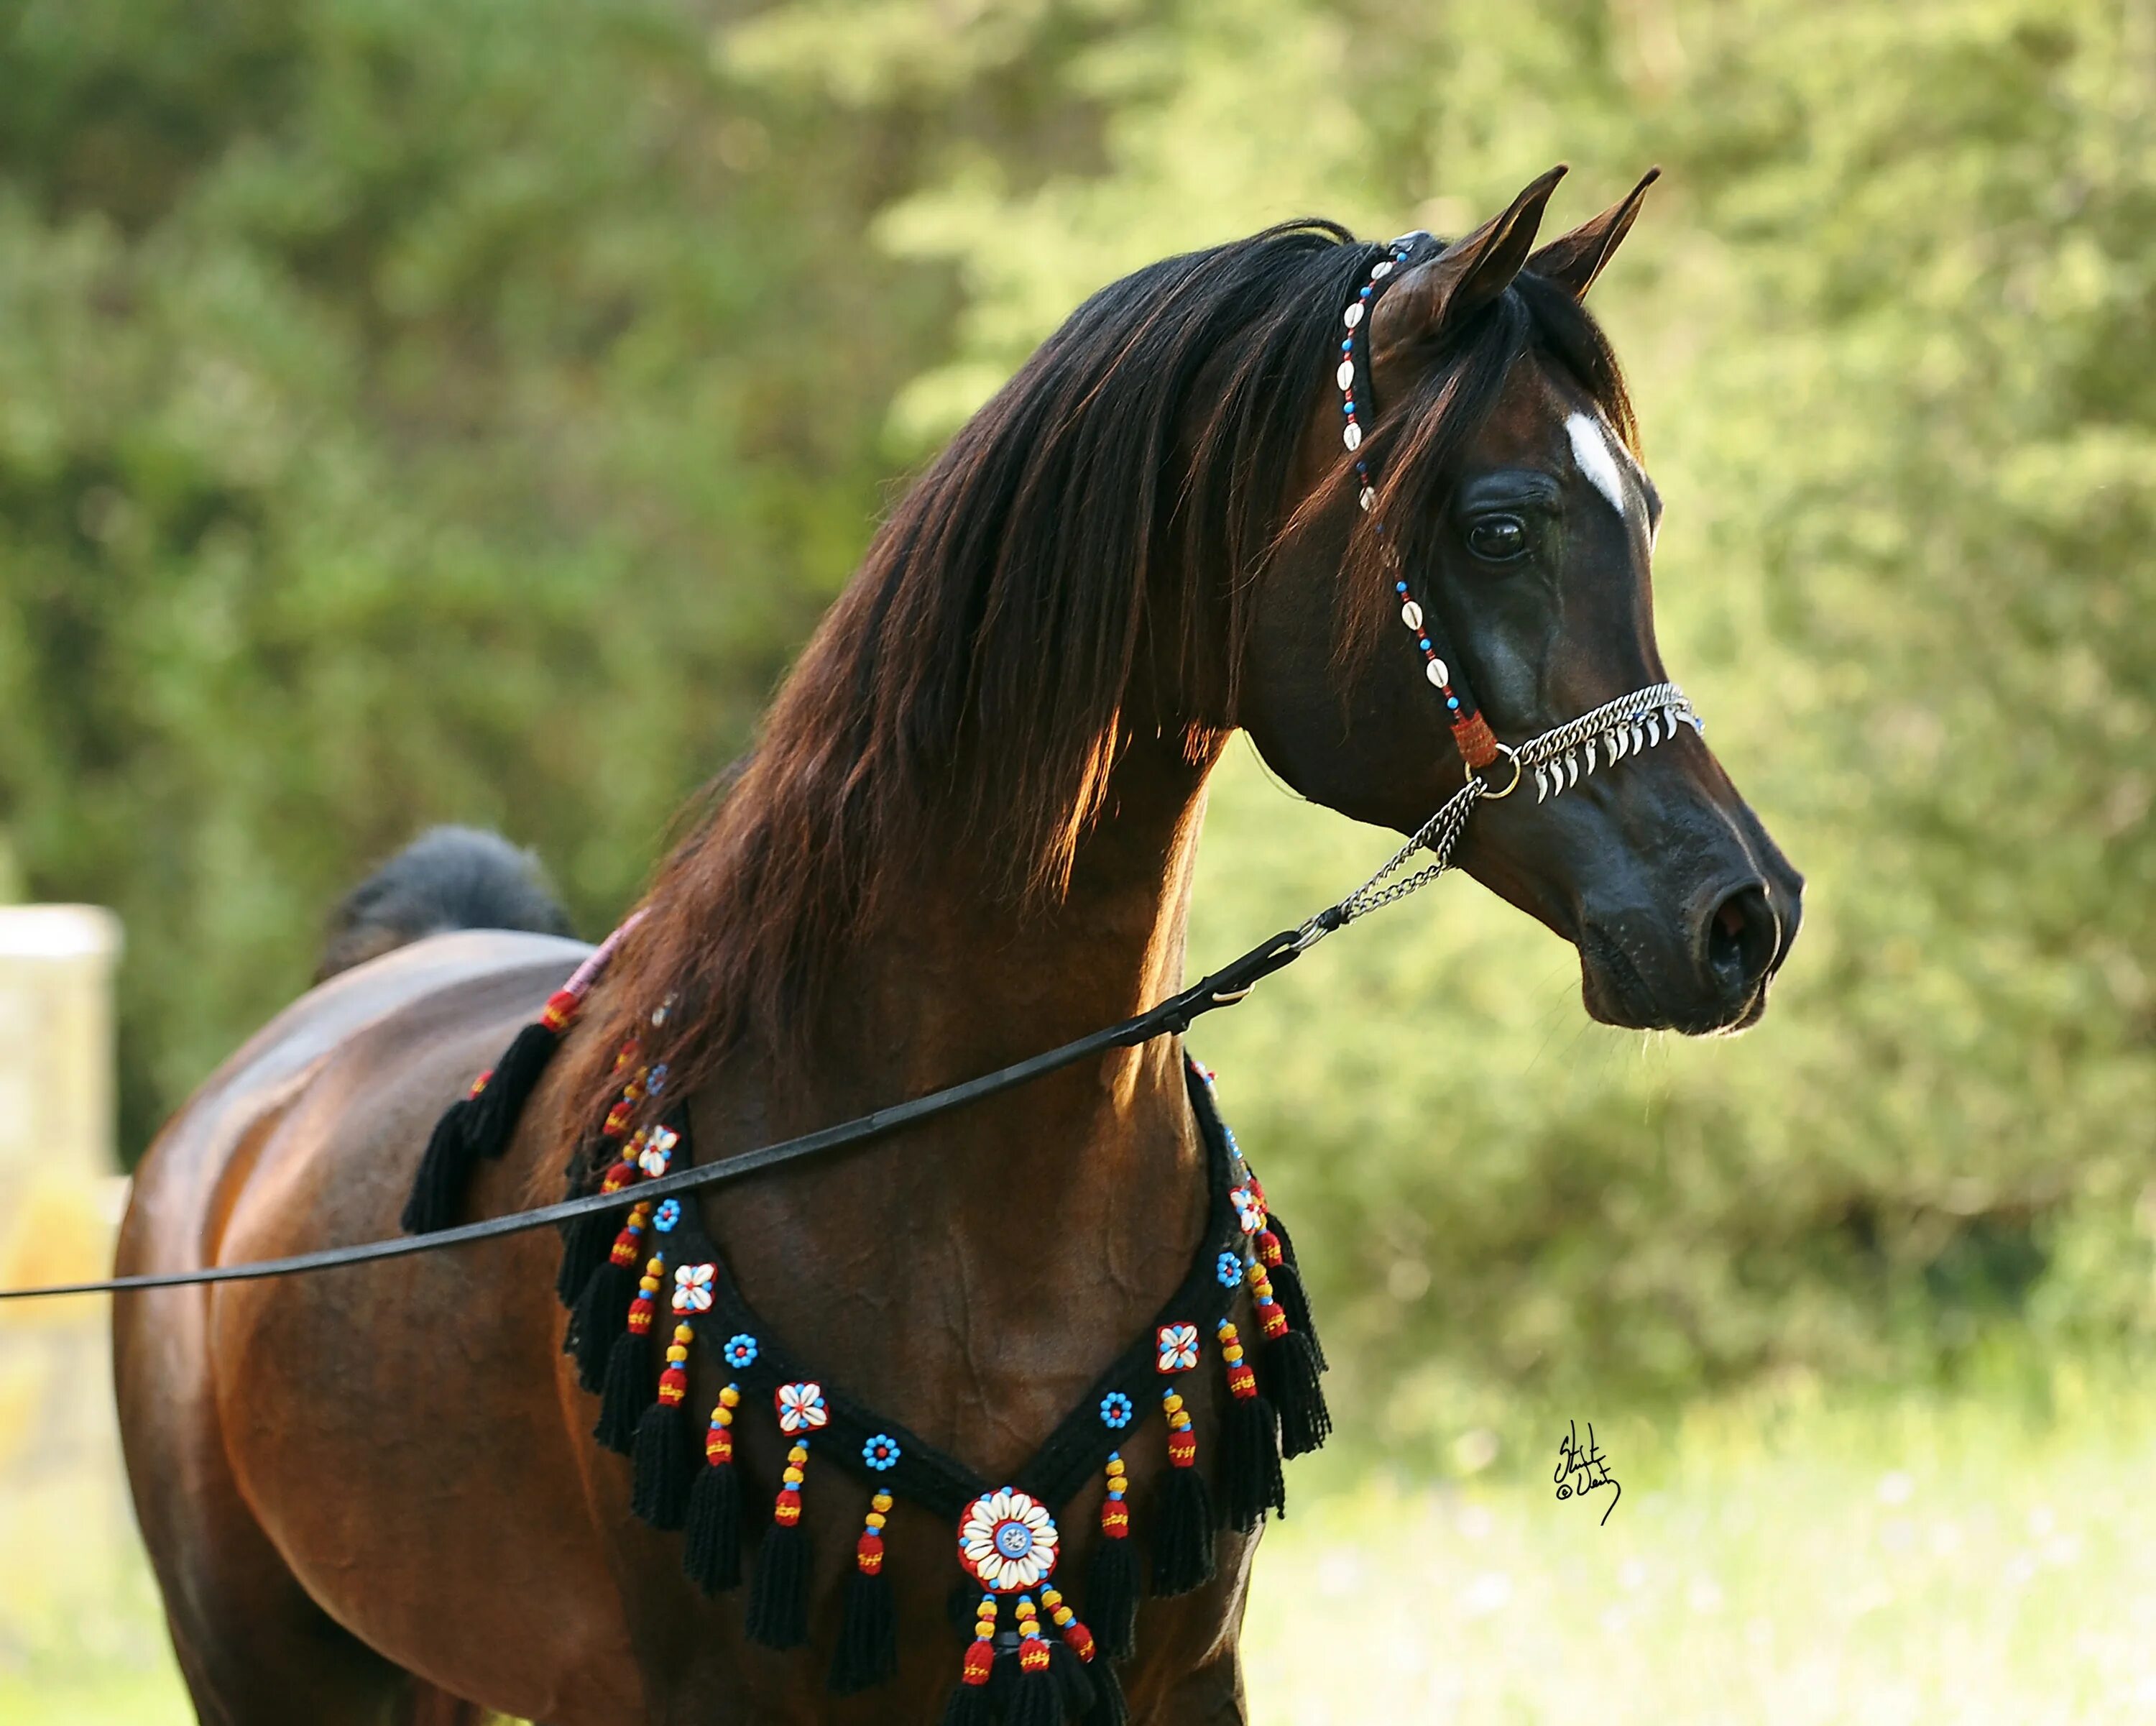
pixel 60 1193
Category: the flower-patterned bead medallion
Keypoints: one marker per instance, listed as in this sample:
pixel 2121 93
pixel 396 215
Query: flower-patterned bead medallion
pixel 1007 1541
pixel 800 1407
pixel 1228 1268
pixel 692 1287
pixel 1177 1347
pixel 740 1351
pixel 1250 1203
pixel 668 1214
pixel 658 1152
pixel 880 1453
pixel 1116 1409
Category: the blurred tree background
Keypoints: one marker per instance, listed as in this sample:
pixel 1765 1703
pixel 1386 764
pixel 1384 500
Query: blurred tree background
pixel 416 412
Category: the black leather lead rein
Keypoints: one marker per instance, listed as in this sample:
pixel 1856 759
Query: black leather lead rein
pixel 1223 989
pixel 1640 720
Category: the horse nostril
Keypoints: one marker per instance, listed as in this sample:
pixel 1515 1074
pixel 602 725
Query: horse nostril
pixel 1741 936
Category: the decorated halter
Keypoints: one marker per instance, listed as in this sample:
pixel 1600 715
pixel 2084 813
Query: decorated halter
pixel 1641 721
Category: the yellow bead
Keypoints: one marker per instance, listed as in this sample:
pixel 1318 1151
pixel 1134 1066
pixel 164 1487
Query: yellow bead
pixel 1171 1402
pixel 682 1332
pixel 875 1518
pixel 675 1353
pixel 882 1501
pixel 793 1476
pixel 730 1396
pixel 799 1454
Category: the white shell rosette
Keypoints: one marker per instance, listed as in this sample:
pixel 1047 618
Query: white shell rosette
pixel 692 1287
pixel 1176 1348
pixel 657 1151
pixel 1249 1207
pixel 1007 1541
pixel 800 1407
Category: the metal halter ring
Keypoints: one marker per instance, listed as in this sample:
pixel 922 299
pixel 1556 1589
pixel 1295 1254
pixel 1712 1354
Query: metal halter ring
pixel 1512 784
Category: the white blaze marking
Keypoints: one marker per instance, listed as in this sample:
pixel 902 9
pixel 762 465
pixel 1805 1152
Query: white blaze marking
pixel 1590 448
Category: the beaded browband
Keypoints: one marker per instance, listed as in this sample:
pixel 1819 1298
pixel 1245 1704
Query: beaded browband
pixel 1470 732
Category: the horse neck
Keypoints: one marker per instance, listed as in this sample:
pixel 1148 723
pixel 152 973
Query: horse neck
pixel 973 1274
pixel 962 982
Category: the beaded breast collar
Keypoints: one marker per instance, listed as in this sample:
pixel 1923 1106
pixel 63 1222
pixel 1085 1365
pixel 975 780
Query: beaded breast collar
pixel 660 1273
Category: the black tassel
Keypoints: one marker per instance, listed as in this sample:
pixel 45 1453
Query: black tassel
pixel 666 1465
pixel 778 1594
pixel 1182 1548
pixel 868 1636
pixel 1109 1708
pixel 1035 1698
pixel 711 1544
pixel 1288 1291
pixel 495 1111
pixel 1295 1300
pixel 438 1187
pixel 1074 1680
pixel 625 1390
pixel 1111 1598
pixel 585 1245
pixel 1251 1482
pixel 969 1706
pixel 600 1321
pixel 1288 1371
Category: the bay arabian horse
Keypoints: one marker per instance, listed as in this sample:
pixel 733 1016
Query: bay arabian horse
pixel 966 834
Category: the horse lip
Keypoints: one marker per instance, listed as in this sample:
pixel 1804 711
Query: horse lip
pixel 1616 993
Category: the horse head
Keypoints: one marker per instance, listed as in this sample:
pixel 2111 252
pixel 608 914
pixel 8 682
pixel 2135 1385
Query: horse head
pixel 1498 504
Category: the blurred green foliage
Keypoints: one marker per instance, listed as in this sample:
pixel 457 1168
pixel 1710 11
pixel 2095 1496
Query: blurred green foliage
pixel 418 412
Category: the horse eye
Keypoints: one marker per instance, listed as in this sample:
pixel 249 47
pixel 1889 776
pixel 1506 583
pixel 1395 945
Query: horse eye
pixel 1497 539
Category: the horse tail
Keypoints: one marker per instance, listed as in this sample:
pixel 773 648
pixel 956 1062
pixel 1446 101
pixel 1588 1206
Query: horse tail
pixel 448 878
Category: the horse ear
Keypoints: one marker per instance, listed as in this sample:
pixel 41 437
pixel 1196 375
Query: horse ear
pixel 1462 279
pixel 1574 262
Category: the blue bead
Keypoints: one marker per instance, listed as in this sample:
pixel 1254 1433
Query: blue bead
pixel 1399 587
pixel 1453 702
pixel 1425 644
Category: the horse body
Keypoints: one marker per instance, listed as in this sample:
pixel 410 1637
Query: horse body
pixel 372 1492
pixel 350 1462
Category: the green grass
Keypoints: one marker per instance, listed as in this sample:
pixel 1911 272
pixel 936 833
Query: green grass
pixel 1773 1560
pixel 1913 1563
